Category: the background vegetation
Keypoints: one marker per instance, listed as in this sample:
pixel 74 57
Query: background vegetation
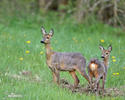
pixel 79 26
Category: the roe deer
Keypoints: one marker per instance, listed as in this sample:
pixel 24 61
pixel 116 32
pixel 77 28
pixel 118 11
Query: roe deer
pixel 98 69
pixel 61 61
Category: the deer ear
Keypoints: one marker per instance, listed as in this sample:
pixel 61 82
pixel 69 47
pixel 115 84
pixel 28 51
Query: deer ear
pixel 101 47
pixel 43 30
pixel 51 32
pixel 110 48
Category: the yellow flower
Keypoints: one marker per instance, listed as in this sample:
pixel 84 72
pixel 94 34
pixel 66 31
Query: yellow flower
pixel 114 60
pixel 113 57
pixel 110 40
pixel 115 73
pixel 73 38
pixel 28 42
pixel 27 51
pixel 41 52
pixel 89 38
pixel 102 41
pixel 123 67
pixel 76 41
pixel 51 48
pixel 21 58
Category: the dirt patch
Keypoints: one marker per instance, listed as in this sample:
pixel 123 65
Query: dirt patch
pixel 27 75
pixel 112 92
pixel 24 75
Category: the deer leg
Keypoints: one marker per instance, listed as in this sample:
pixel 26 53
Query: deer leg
pixel 74 76
pixel 103 81
pixel 98 77
pixel 56 75
pixel 91 80
pixel 83 73
pixel 98 85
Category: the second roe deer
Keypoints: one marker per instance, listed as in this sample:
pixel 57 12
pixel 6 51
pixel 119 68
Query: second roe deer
pixel 99 69
pixel 63 61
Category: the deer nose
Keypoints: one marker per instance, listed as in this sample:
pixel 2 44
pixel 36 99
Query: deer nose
pixel 102 56
pixel 42 41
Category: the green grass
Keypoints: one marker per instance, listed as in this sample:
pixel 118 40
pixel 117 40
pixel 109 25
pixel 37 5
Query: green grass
pixel 14 32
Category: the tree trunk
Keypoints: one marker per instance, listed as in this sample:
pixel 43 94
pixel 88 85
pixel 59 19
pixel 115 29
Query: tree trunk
pixel 81 9
pixel 44 5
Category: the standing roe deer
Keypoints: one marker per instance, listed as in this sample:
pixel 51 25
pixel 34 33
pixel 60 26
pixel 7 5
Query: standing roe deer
pixel 98 69
pixel 61 61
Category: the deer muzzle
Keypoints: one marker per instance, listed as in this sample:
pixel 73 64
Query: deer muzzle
pixel 42 41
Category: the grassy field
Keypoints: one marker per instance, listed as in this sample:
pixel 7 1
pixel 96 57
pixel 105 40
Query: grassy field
pixel 21 50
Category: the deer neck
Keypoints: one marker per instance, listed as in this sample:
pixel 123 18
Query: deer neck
pixel 49 51
pixel 105 61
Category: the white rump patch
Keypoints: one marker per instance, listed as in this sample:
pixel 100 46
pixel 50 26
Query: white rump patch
pixel 93 67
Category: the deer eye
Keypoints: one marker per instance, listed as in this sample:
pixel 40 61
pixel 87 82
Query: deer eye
pixel 107 53
pixel 47 37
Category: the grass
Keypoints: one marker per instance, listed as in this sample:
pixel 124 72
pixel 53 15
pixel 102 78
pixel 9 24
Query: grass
pixel 68 37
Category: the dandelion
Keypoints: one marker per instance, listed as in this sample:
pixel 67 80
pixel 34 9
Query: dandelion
pixel 114 60
pixel 28 42
pixel 76 41
pixel 102 41
pixel 115 74
pixel 21 58
pixel 74 38
pixel 41 52
pixel 27 51
pixel 89 38
pixel 113 57
pixel 51 48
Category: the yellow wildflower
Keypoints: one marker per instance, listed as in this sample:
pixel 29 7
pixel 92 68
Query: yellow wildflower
pixel 41 52
pixel 76 41
pixel 114 60
pixel 89 38
pixel 27 51
pixel 21 58
pixel 28 42
pixel 102 41
pixel 113 57
pixel 51 48
pixel 73 38
pixel 115 73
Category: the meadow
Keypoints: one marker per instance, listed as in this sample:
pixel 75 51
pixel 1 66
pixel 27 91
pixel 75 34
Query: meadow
pixel 21 51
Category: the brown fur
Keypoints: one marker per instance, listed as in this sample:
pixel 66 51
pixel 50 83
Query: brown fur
pixel 101 68
pixel 63 61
